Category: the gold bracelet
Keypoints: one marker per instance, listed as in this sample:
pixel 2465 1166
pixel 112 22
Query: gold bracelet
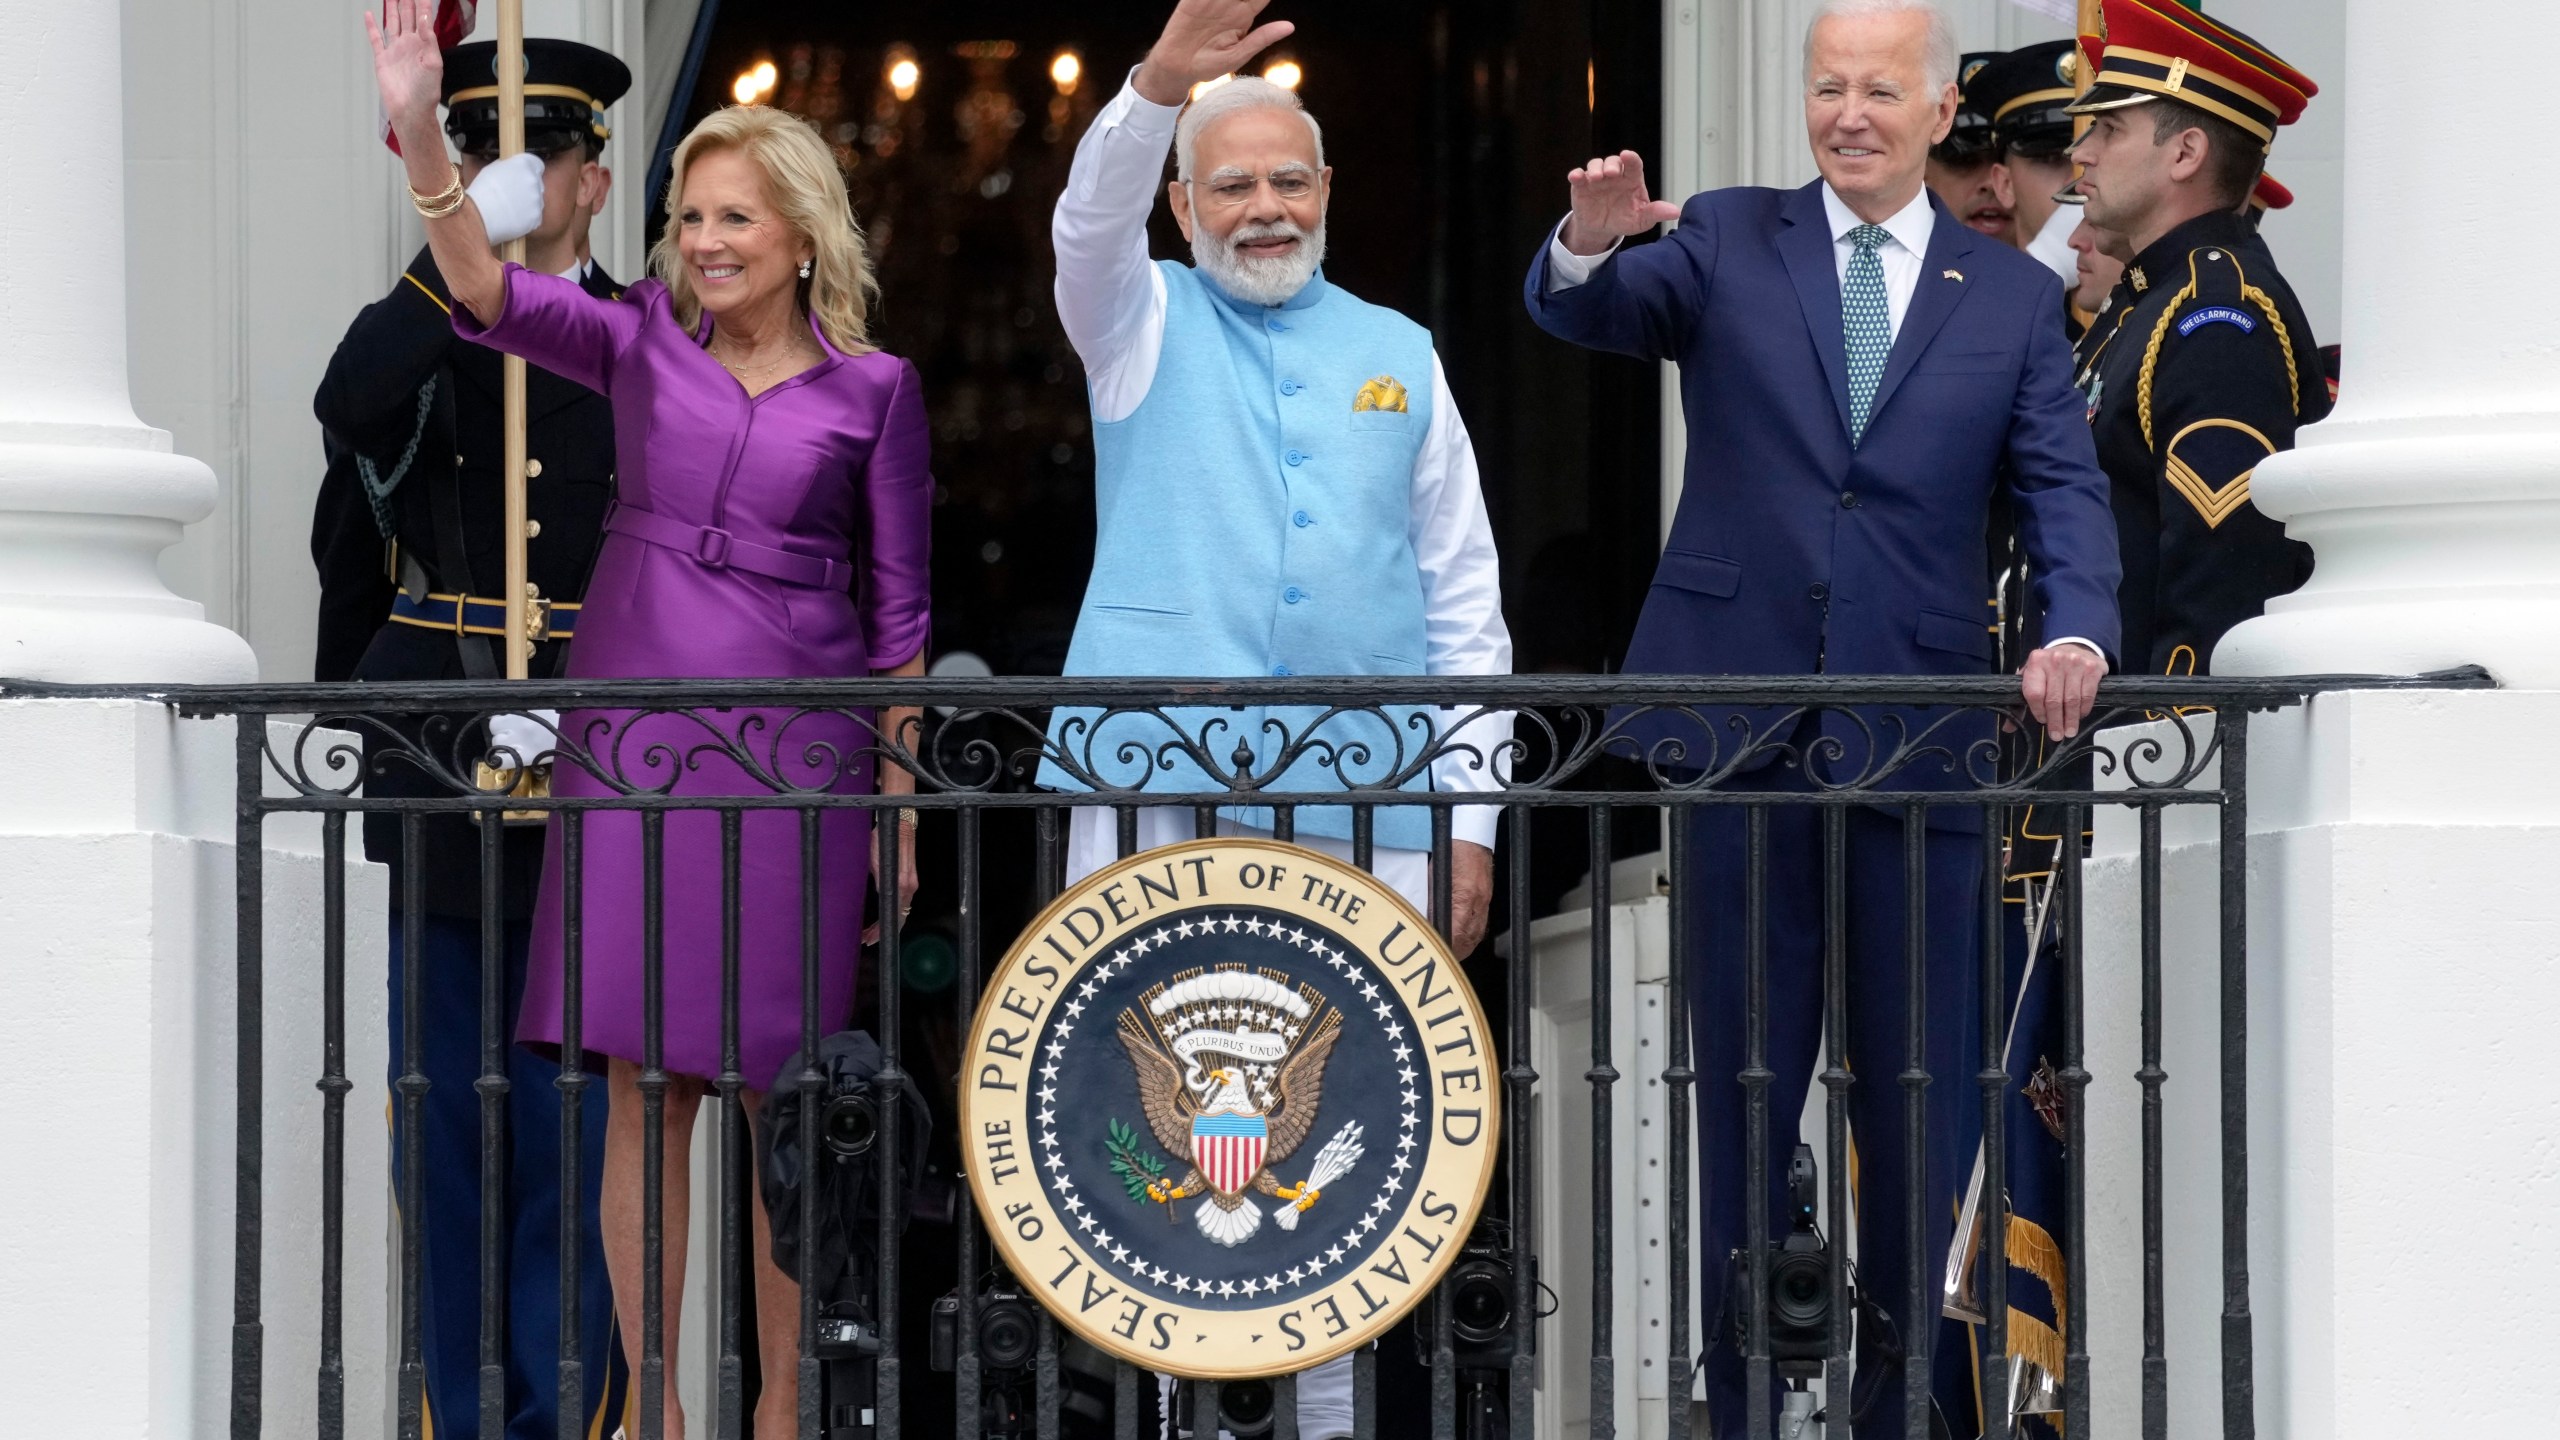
pixel 442 203
pixel 909 815
pixel 438 207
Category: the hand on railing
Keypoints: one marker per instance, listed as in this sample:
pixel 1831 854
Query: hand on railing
pixel 908 878
pixel 902 732
pixel 2061 683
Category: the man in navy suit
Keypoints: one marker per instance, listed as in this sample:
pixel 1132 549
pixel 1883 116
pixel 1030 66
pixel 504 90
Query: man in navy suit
pixel 1856 366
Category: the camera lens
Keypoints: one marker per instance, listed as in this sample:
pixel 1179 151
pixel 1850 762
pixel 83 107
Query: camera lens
pixel 1244 1407
pixel 1007 1332
pixel 1800 1291
pixel 1480 1303
pixel 850 1124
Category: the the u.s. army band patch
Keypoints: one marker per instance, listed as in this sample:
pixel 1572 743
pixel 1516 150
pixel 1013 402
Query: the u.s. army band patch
pixel 1229 1108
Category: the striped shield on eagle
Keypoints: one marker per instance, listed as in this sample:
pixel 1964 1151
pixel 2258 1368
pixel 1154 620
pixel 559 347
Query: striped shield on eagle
pixel 1228 1149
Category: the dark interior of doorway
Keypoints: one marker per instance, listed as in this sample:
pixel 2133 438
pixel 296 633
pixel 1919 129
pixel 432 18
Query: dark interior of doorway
pixel 1450 128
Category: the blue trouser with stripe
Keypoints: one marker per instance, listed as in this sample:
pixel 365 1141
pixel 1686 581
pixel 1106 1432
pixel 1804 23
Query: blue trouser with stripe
pixel 448 1220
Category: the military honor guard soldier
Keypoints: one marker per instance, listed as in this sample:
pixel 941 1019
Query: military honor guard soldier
pixel 2197 365
pixel 2021 94
pixel 1964 168
pixel 413 418
pixel 2209 365
pixel 2024 91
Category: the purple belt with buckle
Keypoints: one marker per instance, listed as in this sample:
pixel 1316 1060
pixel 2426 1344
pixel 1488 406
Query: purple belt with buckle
pixel 720 550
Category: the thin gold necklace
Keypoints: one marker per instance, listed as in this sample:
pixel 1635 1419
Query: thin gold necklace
pixel 790 350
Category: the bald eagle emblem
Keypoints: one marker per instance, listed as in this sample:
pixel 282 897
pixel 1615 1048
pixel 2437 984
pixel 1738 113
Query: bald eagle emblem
pixel 1230 1066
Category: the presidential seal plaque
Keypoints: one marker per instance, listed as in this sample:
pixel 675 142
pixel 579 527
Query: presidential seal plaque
pixel 1229 1108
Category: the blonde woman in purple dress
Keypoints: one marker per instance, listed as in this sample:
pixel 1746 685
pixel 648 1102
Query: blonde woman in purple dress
pixel 773 504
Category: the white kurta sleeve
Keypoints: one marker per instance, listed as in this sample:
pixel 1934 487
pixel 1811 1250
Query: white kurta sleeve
pixel 1462 604
pixel 1110 297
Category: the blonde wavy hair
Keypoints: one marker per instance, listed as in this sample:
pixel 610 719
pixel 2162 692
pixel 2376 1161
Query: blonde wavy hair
pixel 801 177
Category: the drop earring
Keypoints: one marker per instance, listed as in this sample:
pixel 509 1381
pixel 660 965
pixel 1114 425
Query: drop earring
pixel 804 269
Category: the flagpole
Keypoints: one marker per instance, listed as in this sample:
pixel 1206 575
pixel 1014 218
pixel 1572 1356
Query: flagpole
pixel 518 592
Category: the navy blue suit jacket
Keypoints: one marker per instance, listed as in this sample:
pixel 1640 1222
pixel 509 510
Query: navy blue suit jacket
pixel 1795 553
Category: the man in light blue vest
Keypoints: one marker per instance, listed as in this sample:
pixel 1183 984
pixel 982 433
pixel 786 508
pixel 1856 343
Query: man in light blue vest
pixel 1283 486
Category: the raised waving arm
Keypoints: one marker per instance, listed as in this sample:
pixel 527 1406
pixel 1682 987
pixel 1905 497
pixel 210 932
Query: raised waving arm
pixel 1202 40
pixel 409 70
pixel 1611 203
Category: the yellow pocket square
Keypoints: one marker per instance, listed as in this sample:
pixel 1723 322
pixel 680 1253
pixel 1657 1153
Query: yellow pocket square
pixel 1383 393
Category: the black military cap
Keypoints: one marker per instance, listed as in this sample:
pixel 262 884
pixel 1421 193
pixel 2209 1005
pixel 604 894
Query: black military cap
pixel 2024 93
pixel 1968 142
pixel 566 89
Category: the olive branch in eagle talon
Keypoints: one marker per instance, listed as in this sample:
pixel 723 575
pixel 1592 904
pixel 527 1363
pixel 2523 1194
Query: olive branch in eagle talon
pixel 1208 1116
pixel 1139 1169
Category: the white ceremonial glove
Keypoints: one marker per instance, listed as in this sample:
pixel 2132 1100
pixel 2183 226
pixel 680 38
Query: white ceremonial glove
pixel 509 194
pixel 526 735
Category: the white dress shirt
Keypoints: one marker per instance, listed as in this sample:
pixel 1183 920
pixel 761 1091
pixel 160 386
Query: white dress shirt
pixel 1901 257
pixel 1111 299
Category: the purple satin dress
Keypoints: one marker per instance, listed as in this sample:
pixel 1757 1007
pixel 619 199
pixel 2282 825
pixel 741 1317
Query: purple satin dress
pixel 715 565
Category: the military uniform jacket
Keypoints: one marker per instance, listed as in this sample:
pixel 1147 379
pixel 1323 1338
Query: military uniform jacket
pixel 2202 365
pixel 350 548
pixel 425 409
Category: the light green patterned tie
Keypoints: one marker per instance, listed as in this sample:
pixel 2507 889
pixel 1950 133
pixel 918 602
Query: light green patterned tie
pixel 1869 324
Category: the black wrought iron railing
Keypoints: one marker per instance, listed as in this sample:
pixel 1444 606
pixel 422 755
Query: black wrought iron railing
pixel 1593 769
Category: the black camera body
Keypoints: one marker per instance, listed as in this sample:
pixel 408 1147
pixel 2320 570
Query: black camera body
pixel 1485 1330
pixel 1487 1327
pixel 836 1154
pixel 1799 1295
pixel 1247 1409
pixel 1006 1343
pixel 1008 1335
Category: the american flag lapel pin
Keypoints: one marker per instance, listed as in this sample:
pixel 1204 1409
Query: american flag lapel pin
pixel 1955 275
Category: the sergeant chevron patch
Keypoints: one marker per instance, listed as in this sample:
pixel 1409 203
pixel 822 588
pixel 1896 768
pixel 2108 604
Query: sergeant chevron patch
pixel 1229 1108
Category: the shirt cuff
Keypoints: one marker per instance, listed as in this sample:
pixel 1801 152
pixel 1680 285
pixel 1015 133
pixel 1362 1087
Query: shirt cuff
pixel 1479 740
pixel 1144 116
pixel 2089 645
pixel 1566 269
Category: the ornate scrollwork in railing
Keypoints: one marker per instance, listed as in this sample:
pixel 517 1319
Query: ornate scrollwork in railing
pixel 1253 742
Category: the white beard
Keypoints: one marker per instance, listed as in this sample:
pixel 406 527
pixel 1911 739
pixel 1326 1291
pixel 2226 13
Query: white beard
pixel 1259 282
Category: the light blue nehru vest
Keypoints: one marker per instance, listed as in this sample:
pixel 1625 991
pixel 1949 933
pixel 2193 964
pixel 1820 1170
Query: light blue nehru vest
pixel 1254 519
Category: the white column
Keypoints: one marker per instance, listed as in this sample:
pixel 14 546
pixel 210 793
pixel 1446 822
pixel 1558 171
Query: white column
pixel 117 972
pixel 2432 495
pixel 2405 935
pixel 89 495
